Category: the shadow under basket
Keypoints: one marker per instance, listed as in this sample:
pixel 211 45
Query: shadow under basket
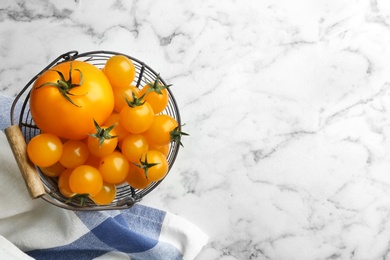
pixel 23 128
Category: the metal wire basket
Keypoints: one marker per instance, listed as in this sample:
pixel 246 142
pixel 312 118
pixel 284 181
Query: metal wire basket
pixel 126 195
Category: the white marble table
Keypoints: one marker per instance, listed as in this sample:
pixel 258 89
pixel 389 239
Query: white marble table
pixel 286 102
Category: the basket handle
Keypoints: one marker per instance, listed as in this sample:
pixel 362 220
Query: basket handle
pixel 19 149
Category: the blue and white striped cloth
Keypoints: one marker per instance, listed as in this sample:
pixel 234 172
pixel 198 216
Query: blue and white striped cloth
pixel 35 229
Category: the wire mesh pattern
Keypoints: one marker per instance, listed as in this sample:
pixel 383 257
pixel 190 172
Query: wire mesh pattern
pixel 126 195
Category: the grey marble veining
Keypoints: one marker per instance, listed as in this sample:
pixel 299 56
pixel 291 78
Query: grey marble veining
pixel 286 102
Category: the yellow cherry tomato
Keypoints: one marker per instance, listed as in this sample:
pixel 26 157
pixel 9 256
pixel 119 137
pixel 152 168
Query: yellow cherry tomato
pixel 123 93
pixel 114 167
pixel 86 179
pixel 44 150
pixel 137 119
pixel 119 70
pixel 136 178
pixel 53 170
pixel 106 195
pixel 63 183
pixel 74 153
pixel 133 146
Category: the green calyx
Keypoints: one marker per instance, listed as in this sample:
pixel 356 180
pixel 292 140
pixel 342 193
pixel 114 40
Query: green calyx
pixel 137 101
pixel 103 133
pixel 64 86
pixel 176 135
pixel 81 197
pixel 156 87
pixel 145 165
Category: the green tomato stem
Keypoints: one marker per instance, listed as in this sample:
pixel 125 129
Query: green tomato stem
pixel 64 86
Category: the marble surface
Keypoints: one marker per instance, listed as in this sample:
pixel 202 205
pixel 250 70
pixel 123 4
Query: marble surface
pixel 286 102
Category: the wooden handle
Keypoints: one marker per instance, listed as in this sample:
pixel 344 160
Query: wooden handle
pixel 19 148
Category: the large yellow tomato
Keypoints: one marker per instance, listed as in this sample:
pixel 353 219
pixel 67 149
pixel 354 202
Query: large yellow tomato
pixel 66 99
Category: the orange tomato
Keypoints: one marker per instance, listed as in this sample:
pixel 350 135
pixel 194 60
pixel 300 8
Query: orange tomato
pixel 136 178
pixel 133 146
pixel 93 161
pixel 114 167
pixel 123 93
pixel 53 170
pixel 102 144
pixel 67 107
pixel 86 179
pixel 157 96
pixel 106 195
pixel 44 150
pixel 154 164
pixel 63 183
pixel 74 153
pixel 120 70
pixel 164 149
pixel 136 119
pixel 118 129
pixel 160 130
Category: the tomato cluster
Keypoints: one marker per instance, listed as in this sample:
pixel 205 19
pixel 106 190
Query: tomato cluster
pixel 98 130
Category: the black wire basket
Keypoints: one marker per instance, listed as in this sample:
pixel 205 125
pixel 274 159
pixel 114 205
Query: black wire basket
pixel 126 195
